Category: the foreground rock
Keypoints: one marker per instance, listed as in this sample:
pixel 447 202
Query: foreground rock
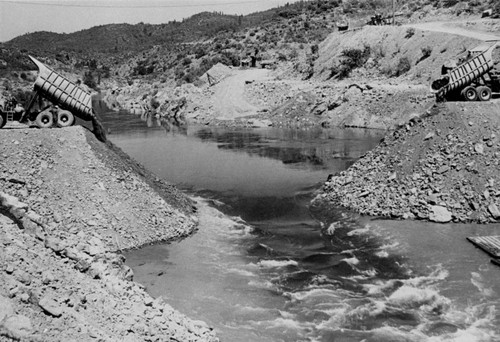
pixel 442 168
pixel 68 204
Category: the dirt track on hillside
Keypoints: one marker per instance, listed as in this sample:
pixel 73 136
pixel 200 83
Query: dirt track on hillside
pixel 454 28
pixel 229 100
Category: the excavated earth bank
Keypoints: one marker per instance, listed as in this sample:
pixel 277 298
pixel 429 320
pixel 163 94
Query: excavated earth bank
pixel 441 167
pixel 69 204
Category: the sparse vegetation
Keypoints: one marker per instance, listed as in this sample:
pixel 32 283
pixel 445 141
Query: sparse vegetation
pixel 89 80
pixel 350 60
pixel 183 50
pixel 402 67
pixel 409 33
pixel 426 51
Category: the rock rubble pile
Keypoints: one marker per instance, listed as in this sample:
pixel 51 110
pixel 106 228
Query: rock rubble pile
pixel 69 204
pixel 443 167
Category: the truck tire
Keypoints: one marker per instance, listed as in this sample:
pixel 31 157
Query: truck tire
pixel 469 93
pixel 44 119
pixel 484 93
pixel 3 119
pixel 65 118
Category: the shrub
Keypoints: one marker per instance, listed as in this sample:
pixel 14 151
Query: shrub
pixel 154 103
pixel 450 3
pixel 282 57
pixel 230 58
pixel 199 52
pixel 314 49
pixel 88 80
pixel 403 66
pixel 409 33
pixel 378 53
pixel 350 60
pixel 426 51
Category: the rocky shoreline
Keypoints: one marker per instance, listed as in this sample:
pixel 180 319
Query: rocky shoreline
pixel 69 205
pixel 442 167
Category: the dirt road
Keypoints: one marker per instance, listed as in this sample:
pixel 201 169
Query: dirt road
pixel 454 28
pixel 230 102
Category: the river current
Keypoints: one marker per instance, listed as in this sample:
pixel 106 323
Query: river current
pixel 264 266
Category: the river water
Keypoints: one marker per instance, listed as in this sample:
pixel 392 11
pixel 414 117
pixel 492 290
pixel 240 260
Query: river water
pixel 264 266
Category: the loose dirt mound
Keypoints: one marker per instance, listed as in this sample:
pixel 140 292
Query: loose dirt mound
pixel 441 168
pixel 216 74
pixel 68 203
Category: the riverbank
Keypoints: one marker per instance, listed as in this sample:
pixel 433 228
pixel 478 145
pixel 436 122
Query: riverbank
pixel 70 204
pixel 442 167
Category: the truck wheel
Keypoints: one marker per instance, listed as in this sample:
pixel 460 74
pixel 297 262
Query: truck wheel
pixel 65 118
pixel 470 93
pixel 484 93
pixel 44 119
pixel 3 119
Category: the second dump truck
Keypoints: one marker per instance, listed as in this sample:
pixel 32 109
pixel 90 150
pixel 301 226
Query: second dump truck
pixel 476 78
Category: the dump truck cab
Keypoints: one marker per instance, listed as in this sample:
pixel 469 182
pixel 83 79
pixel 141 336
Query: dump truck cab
pixel 10 110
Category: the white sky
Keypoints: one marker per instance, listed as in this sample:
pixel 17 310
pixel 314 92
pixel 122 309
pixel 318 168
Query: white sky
pixel 18 17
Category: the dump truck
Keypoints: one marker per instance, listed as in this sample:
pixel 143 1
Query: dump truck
pixel 477 77
pixel 67 100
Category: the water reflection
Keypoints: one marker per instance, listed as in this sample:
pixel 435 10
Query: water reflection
pixel 315 147
pixel 177 125
pixel 312 148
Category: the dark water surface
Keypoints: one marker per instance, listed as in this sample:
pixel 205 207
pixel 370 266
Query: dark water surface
pixel 262 268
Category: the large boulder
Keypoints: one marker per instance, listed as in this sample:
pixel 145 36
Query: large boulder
pixel 439 214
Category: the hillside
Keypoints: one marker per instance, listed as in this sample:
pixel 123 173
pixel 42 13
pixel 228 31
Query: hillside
pixel 202 38
pixel 377 93
pixel 144 60
pixel 180 51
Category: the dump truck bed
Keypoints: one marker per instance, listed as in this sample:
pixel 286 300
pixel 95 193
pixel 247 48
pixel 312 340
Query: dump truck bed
pixel 63 92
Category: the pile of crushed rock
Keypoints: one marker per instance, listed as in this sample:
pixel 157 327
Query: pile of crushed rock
pixel 440 167
pixel 69 205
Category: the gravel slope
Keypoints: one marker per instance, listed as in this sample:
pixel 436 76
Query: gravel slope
pixel 69 203
pixel 443 167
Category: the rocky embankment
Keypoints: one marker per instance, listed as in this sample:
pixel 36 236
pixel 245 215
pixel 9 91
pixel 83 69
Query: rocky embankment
pixel 441 167
pixel 69 204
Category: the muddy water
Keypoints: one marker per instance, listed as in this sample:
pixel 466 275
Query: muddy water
pixel 263 268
